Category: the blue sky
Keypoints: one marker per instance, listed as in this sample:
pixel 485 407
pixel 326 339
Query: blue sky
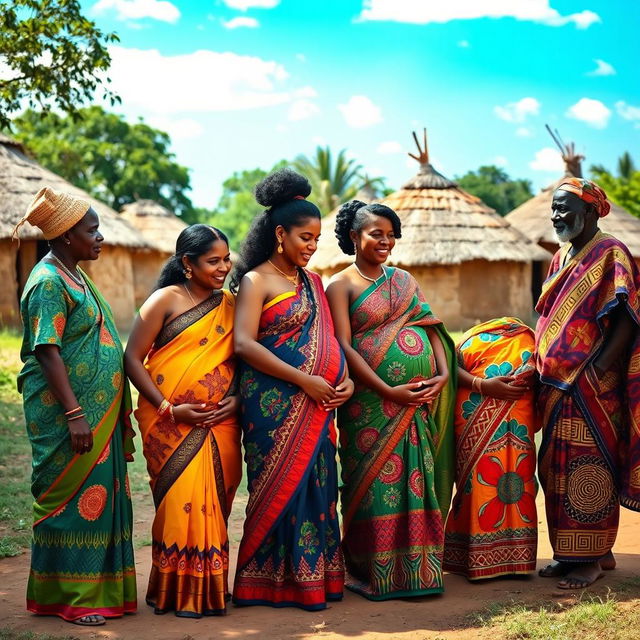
pixel 244 83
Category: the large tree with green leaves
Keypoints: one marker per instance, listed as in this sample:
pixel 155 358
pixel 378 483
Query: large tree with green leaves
pixel 333 180
pixel 50 56
pixel 237 206
pixel 623 188
pixel 494 187
pixel 115 161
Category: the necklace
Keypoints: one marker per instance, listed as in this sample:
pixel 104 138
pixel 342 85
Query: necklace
pixel 374 280
pixel 189 294
pixel 76 278
pixel 292 279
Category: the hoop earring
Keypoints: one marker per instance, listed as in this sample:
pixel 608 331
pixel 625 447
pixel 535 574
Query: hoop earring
pixel 280 249
pixel 188 274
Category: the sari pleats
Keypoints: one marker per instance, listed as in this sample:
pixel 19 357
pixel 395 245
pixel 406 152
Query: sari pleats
pixel 194 472
pixel 396 463
pixel 492 527
pixel 290 551
pixel 81 554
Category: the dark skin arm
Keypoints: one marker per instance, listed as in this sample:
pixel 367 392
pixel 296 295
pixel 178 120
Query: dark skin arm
pixel 55 373
pixel 405 394
pixel 148 324
pixel 251 298
pixel 620 334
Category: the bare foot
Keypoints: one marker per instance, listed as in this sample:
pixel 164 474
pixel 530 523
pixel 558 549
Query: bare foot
pixel 556 569
pixel 90 621
pixel 608 562
pixel 581 576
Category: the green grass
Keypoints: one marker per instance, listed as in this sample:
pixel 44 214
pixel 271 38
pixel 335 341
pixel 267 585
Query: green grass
pixel 590 618
pixel 12 634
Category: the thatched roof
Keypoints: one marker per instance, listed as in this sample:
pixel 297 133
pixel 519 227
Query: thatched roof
pixel 533 218
pixel 21 178
pixel 159 226
pixel 441 225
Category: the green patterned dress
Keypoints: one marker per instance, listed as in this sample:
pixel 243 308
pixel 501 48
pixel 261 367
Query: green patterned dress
pixel 397 461
pixel 82 556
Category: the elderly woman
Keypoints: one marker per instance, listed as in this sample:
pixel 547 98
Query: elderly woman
pixel 76 404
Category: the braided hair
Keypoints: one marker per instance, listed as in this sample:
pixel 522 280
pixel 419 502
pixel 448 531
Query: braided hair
pixel 353 215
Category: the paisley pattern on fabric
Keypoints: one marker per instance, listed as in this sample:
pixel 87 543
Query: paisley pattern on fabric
pixel 194 472
pixel 396 462
pixel 82 557
pixel 290 551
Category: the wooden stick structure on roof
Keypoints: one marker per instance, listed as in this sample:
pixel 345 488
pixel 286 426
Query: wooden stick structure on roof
pixel 572 160
pixel 423 152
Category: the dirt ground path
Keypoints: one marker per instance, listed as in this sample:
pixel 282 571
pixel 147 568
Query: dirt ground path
pixel 429 618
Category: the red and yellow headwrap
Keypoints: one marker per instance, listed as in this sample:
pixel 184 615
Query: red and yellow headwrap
pixel 589 192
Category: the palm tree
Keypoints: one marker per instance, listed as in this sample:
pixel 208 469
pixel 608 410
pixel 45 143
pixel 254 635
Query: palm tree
pixel 332 182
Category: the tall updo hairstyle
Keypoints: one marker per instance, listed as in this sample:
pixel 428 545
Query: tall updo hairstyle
pixel 283 194
pixel 193 242
pixel 353 215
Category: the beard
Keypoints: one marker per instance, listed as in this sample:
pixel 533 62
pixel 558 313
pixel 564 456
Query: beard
pixel 569 232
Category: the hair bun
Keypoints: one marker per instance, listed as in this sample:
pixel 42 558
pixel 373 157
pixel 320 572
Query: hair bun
pixel 281 186
pixel 344 224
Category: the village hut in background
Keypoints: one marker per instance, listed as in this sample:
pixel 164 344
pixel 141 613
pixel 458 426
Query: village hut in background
pixel 469 262
pixel 533 218
pixel 21 178
pixel 160 228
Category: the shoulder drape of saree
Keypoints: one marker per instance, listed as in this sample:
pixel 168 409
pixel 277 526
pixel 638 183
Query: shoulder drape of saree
pixel 299 330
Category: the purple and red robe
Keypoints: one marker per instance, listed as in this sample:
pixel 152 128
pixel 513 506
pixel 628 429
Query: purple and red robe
pixel 589 459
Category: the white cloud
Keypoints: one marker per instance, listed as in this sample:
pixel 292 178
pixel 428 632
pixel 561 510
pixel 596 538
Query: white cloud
pixel 241 21
pixel 518 111
pixel 464 44
pixel 549 160
pixel 602 69
pixel 243 5
pixel 319 141
pixel 390 146
pixel 305 92
pixel 360 112
pixel 137 9
pixel 180 129
pixel 593 112
pixel 523 132
pixel 425 11
pixel 302 110
pixel 197 82
pixel 629 112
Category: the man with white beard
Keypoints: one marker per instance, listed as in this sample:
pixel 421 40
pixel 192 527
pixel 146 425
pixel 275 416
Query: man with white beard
pixel 588 359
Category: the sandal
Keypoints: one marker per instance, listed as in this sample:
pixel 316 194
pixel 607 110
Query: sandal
pixel 92 620
pixel 556 569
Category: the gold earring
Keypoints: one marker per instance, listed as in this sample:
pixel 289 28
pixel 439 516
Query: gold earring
pixel 280 249
pixel 188 274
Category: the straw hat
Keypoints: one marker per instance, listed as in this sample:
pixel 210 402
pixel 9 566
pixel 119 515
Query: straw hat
pixel 53 212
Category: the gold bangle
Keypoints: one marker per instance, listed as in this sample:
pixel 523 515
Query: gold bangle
pixel 76 417
pixel 72 411
pixel 164 407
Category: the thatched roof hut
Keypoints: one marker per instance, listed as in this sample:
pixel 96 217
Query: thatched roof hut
pixel 20 179
pixel 160 228
pixel 471 264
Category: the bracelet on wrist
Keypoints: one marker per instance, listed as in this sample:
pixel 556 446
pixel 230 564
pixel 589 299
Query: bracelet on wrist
pixel 75 417
pixel 72 411
pixel 164 407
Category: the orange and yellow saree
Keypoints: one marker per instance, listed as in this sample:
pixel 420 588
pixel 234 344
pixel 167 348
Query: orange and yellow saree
pixel 194 472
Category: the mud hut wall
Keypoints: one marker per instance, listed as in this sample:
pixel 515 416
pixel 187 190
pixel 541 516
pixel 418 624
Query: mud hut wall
pixel 493 289
pixel 113 275
pixel 146 270
pixel 440 285
pixel 9 309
